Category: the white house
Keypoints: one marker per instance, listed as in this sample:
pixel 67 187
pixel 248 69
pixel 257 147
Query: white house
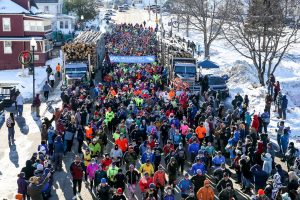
pixel 53 9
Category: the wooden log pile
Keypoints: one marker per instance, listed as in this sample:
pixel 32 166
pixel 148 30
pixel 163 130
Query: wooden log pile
pixel 83 45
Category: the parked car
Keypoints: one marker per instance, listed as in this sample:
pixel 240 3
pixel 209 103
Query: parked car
pixel 126 7
pixel 218 84
pixel 121 9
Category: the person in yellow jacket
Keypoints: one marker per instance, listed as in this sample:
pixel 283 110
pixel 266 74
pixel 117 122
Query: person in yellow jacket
pixel 86 160
pixel 95 148
pixel 139 102
pixel 111 173
pixel 147 167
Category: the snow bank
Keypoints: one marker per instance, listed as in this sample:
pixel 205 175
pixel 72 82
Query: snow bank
pixel 25 82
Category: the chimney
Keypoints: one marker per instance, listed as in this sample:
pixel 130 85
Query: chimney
pixel 24 3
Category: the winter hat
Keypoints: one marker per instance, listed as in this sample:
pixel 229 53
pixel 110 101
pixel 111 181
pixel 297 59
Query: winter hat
pixel 268 155
pixel 40 167
pixel 285 196
pixel 103 180
pixel 199 171
pixel 261 192
pixel 119 191
pixel 22 175
pixel 152 186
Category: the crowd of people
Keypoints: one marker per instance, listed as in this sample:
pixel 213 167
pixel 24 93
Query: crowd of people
pixel 135 134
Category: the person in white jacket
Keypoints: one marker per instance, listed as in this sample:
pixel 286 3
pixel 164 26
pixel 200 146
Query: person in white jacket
pixel 20 102
pixel 267 165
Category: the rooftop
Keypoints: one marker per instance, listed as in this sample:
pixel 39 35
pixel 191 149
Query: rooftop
pixel 10 7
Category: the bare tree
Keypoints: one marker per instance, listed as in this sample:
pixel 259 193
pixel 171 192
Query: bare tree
pixel 205 16
pixel 258 32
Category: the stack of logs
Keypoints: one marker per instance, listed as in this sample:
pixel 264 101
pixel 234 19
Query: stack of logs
pixel 83 45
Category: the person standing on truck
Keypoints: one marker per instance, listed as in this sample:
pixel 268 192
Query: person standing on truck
pixel 49 71
pixel 58 70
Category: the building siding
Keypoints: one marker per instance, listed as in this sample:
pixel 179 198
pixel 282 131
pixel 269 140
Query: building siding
pixel 16 24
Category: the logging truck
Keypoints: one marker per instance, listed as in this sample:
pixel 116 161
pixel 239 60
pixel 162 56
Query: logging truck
pixel 88 49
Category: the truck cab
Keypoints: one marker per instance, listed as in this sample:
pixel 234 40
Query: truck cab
pixel 186 69
pixel 60 39
pixel 75 73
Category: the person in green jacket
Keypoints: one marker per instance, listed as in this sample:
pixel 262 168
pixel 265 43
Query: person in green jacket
pixel 111 172
pixel 139 102
pixel 109 116
pixel 95 148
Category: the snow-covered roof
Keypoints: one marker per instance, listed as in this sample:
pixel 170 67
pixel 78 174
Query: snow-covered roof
pixel 48 16
pixel 35 10
pixel 8 6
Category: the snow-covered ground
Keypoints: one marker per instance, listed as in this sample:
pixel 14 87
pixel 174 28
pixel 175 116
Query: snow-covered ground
pixel 241 71
pixel 24 83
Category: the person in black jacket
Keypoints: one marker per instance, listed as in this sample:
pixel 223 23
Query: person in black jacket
pixel 28 169
pixel 222 184
pixel 227 193
pixel 132 176
pixel 103 190
pixel 198 181
pixel 120 180
pixel 246 173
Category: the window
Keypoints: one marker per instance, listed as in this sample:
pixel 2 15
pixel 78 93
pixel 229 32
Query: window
pixel 61 24
pixel 66 25
pixel 6 24
pixel 36 57
pixel 7 47
pixel 46 8
pixel 33 25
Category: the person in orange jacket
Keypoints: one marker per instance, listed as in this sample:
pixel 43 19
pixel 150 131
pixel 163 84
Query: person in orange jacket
pixel 122 143
pixel 201 132
pixel 206 192
pixel 58 70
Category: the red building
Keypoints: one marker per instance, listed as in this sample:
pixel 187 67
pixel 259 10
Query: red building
pixel 18 25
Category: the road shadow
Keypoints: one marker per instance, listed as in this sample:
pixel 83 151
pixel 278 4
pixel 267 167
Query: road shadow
pixel 2 119
pixel 62 182
pixel 21 121
pixel 13 155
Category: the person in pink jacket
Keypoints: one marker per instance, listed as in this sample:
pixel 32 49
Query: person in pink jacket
pixel 91 169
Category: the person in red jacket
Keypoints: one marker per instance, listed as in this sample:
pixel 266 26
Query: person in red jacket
pixel 77 169
pixel 255 123
pixel 106 162
pixel 145 183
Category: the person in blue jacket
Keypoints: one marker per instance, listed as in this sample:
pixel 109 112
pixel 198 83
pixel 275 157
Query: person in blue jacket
pixel 284 104
pixel 193 149
pixel 169 194
pixel 176 139
pixel 265 117
pixel 198 165
pixel 148 155
pixel 218 159
pixel 58 153
pixel 185 186
pixel 284 141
